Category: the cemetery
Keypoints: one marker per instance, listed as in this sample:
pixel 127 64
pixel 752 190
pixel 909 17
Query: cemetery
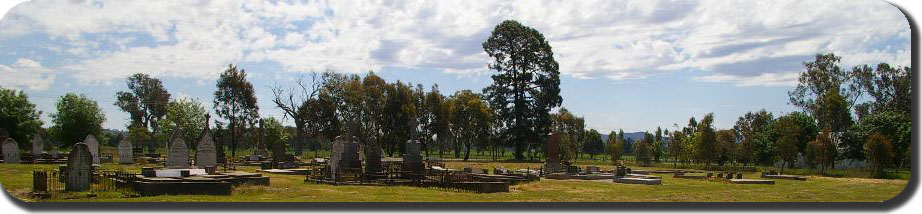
pixel 183 173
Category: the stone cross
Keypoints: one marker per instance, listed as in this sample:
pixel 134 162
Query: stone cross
pixel 10 151
pixel 37 146
pixel 178 157
pixel 205 152
pixel 79 170
pixel 125 151
pixel 93 146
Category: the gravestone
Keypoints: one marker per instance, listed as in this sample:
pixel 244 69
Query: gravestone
pixel 552 163
pixel 93 146
pixel 351 157
pixel 261 146
pixel 373 158
pixel 125 152
pixel 205 153
pixel 179 153
pixel 37 146
pixel 79 169
pixel 278 152
pixel 10 151
pixel 412 160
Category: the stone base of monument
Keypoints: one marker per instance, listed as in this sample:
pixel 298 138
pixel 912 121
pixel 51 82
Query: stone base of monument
pixel 785 177
pixel 287 171
pixel 666 171
pixel 751 181
pixel 484 187
pixel 638 180
pixel 194 182
pixel 557 176
pixel 640 172
pixel 509 179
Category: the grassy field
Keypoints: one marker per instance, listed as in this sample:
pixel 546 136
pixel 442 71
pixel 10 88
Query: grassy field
pixel 16 179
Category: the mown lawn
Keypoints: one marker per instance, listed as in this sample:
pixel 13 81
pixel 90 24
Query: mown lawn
pixel 17 179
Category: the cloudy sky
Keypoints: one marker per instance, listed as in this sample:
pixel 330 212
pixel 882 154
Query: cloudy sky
pixel 631 65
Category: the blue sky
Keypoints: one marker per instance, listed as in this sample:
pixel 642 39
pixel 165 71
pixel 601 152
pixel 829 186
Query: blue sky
pixel 631 65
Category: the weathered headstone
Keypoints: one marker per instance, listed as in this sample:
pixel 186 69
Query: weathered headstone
pixel 10 151
pixel 205 155
pixel 261 146
pixel 278 152
pixel 552 163
pixel 351 157
pixel 179 153
pixel 38 146
pixel 3 136
pixel 125 152
pixel 79 170
pixel 93 146
pixel 372 158
pixel 412 160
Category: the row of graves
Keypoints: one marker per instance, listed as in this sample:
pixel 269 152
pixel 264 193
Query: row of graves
pixel 350 163
pixel 10 153
pixel 179 175
pixel 562 170
pixel 731 177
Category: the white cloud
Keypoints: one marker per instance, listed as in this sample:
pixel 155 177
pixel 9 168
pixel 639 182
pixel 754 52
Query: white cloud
pixel 26 74
pixel 746 43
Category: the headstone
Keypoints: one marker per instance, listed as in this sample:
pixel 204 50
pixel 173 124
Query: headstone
pixel 261 146
pixel 278 152
pixel 205 153
pixel 125 152
pixel 412 160
pixel 93 146
pixel 179 153
pixel 10 151
pixel 373 158
pixel 79 170
pixel 37 146
pixel 552 163
pixel 351 157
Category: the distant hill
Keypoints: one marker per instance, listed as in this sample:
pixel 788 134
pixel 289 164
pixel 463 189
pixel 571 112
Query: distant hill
pixel 633 136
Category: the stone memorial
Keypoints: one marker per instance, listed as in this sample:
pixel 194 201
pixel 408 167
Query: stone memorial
pixel 37 146
pixel 93 146
pixel 261 145
pixel 373 158
pixel 79 169
pixel 10 151
pixel 552 163
pixel 178 157
pixel 412 159
pixel 344 155
pixel 125 152
pixel 205 153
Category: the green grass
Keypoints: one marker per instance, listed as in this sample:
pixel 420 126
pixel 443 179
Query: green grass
pixel 16 178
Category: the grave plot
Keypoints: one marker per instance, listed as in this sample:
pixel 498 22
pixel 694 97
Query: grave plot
pixel 624 175
pixel 776 175
pixel 344 167
pixel 180 177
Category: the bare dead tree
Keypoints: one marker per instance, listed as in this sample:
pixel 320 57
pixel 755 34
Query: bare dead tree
pixel 293 106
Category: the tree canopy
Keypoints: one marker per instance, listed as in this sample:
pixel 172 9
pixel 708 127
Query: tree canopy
pixel 527 83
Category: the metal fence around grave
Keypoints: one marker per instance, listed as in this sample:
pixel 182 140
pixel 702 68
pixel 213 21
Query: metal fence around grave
pixel 52 182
